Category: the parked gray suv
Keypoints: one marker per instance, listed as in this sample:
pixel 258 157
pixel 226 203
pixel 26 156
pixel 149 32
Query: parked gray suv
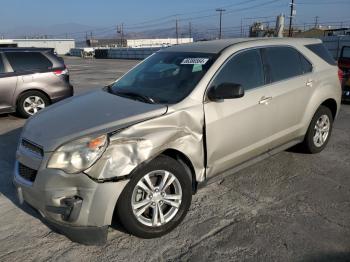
pixel 31 79
pixel 182 118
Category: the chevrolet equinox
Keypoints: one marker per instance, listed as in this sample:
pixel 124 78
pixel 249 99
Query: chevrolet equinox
pixel 138 149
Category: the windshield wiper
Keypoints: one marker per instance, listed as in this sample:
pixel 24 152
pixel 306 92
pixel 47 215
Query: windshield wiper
pixel 135 96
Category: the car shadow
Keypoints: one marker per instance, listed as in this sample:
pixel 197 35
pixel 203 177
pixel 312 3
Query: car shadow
pixel 8 146
pixel 328 257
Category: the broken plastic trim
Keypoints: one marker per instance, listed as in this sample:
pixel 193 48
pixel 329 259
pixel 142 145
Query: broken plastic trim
pixel 111 179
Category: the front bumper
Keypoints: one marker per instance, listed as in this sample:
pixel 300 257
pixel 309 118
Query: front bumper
pixel 73 204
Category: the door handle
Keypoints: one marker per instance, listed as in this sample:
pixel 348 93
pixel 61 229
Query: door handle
pixel 309 83
pixel 265 100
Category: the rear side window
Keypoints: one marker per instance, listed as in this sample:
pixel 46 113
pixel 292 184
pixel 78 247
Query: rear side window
pixel 244 69
pixel 2 67
pixel 306 65
pixel 322 52
pixel 345 53
pixel 28 61
pixel 282 63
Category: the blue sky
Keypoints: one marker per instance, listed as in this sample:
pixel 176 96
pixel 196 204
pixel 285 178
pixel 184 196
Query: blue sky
pixel 136 14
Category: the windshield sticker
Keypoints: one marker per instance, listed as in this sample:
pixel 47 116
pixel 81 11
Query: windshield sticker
pixel 197 68
pixel 195 61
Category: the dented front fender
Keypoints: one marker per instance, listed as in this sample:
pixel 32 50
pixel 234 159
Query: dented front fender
pixel 180 130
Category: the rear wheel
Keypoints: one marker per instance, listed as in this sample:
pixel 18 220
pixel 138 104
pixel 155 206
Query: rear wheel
pixel 31 102
pixel 319 131
pixel 156 199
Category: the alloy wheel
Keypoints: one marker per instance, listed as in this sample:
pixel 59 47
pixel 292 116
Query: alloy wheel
pixel 322 128
pixel 32 104
pixel 156 198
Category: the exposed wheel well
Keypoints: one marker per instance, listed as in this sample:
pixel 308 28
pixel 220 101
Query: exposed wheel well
pixel 332 105
pixel 30 90
pixel 186 162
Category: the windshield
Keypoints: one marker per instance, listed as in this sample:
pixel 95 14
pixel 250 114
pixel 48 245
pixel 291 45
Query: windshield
pixel 164 78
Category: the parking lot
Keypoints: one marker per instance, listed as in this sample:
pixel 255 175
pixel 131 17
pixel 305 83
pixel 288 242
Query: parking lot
pixel 290 207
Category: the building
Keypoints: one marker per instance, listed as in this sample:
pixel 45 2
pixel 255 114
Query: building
pixel 313 33
pixel 157 42
pixel 61 46
pixel 137 43
pixel 106 42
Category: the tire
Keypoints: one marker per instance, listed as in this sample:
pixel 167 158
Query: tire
pixel 154 170
pixel 40 102
pixel 309 144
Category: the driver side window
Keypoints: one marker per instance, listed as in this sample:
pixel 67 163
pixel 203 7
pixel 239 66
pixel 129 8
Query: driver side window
pixel 245 69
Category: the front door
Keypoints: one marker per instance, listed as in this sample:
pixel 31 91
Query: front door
pixel 238 129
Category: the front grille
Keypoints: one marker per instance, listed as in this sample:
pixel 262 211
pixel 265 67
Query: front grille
pixel 26 172
pixel 32 147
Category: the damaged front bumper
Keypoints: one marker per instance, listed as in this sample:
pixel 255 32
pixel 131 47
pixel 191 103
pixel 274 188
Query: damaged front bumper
pixel 72 204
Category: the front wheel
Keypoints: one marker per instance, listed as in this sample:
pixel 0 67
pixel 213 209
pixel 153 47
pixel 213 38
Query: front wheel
pixel 156 199
pixel 319 131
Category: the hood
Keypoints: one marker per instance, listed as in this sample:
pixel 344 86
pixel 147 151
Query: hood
pixel 92 113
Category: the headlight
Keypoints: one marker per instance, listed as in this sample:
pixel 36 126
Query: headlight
pixel 78 155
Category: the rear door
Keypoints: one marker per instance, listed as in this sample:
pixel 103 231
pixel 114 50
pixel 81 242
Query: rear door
pixel 291 86
pixel 8 82
pixel 238 129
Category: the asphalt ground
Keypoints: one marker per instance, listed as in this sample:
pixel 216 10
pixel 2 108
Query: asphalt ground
pixel 290 207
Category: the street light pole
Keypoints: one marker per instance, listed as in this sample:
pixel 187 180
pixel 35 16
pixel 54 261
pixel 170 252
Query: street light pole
pixel 220 10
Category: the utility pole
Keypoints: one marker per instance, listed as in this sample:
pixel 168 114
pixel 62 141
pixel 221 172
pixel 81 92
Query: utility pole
pixel 190 30
pixel 122 34
pixel 241 27
pixel 316 21
pixel 177 32
pixel 120 30
pixel 292 12
pixel 220 10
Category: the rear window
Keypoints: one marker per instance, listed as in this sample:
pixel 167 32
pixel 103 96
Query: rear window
pixel 28 61
pixel 2 67
pixel 322 52
pixel 282 63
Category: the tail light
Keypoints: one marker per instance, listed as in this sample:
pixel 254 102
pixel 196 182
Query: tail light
pixel 59 72
pixel 340 75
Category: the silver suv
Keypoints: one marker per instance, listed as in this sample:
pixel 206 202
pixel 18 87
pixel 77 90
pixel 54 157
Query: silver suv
pixel 31 79
pixel 140 148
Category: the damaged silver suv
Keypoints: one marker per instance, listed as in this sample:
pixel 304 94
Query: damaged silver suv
pixel 139 149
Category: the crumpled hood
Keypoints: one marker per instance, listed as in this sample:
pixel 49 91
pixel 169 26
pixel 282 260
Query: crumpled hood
pixel 93 113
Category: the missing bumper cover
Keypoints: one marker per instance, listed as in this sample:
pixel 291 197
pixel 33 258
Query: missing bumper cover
pixel 69 209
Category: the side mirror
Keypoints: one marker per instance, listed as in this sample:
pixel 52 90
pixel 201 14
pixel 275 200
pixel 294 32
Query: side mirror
pixel 225 91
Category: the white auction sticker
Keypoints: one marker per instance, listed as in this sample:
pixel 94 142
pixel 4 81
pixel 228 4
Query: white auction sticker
pixel 194 61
